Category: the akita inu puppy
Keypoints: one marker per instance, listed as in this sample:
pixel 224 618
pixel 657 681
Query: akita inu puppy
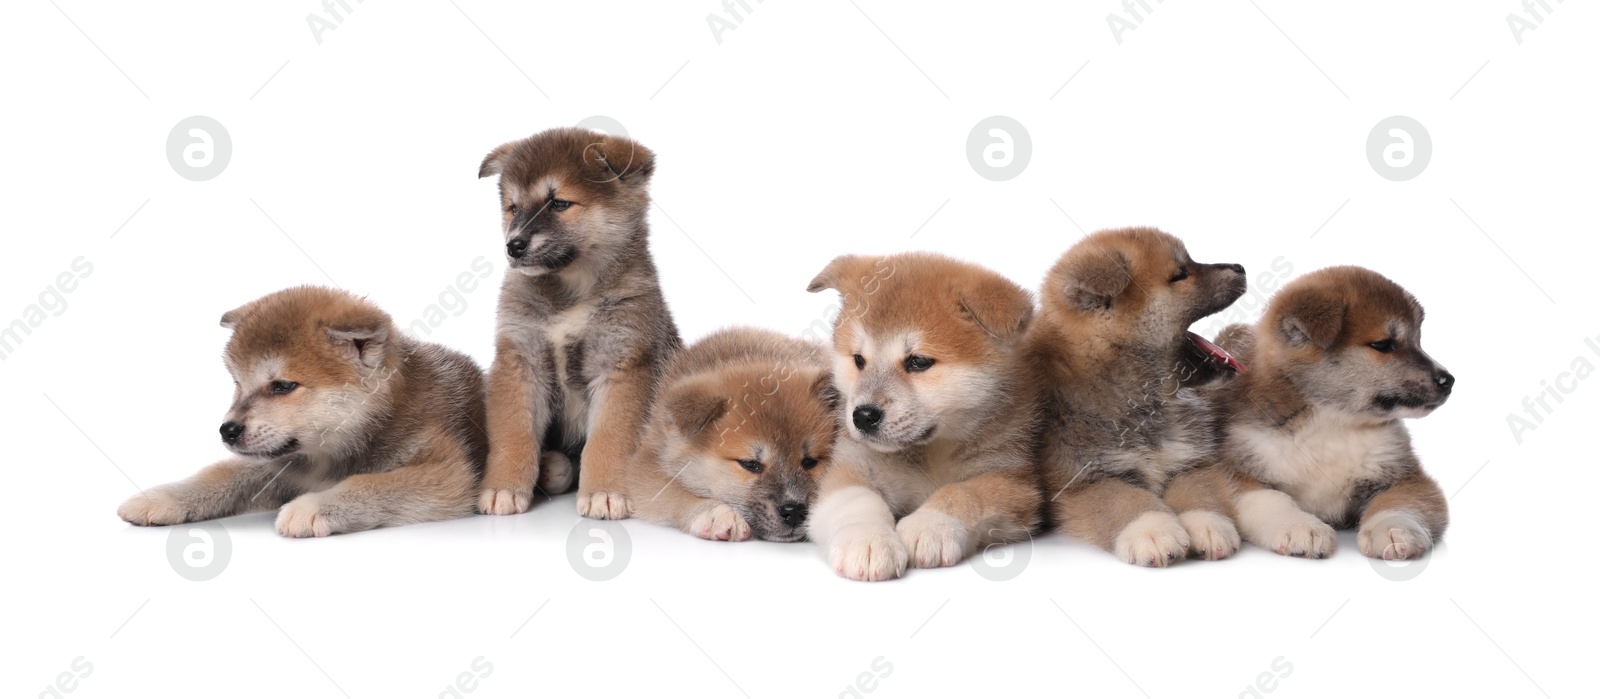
pixel 1121 418
pixel 1314 434
pixel 583 331
pixel 937 405
pixel 741 431
pixel 340 416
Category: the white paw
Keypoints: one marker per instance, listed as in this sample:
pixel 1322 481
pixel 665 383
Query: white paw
pixel 1155 539
pixel 934 539
pixel 1393 536
pixel 1212 536
pixel 556 474
pixel 1302 535
pixel 721 523
pixel 152 508
pixel 303 517
pixel 867 553
pixel 604 505
pixel 504 501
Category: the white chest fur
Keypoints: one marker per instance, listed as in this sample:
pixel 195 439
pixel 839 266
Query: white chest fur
pixel 561 329
pixel 1320 463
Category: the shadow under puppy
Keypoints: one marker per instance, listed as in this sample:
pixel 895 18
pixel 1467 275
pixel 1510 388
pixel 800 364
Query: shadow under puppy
pixel 1314 434
pixel 741 431
pixel 937 403
pixel 583 331
pixel 337 414
pixel 1121 418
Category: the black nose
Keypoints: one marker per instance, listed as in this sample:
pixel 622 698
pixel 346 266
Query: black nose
pixel 1444 380
pixel 793 513
pixel 867 417
pixel 1235 267
pixel 516 246
pixel 231 431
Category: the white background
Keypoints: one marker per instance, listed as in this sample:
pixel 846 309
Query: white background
pixel 811 130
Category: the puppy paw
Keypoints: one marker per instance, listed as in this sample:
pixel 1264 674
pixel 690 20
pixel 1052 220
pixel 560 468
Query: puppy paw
pixel 604 505
pixel 153 508
pixel 1212 536
pixel 1301 535
pixel 934 539
pixel 1155 539
pixel 556 473
pixel 868 553
pixel 1393 536
pixel 720 523
pixel 504 501
pixel 304 517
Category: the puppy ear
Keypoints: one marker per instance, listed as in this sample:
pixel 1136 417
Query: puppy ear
pixel 1310 315
pixel 825 391
pixel 694 403
pixel 1096 278
pixel 230 320
pixel 364 345
pixel 837 274
pixel 997 305
pixel 621 159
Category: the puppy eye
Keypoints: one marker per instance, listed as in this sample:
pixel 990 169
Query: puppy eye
pixel 1183 273
pixel 918 362
pixel 751 465
pixel 808 462
pixel 861 362
pixel 281 387
pixel 559 204
pixel 1385 345
pixel 511 209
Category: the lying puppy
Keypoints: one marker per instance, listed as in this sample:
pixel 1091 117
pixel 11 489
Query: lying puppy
pixel 583 330
pixel 337 414
pixel 1314 436
pixel 739 435
pixel 936 400
pixel 1120 419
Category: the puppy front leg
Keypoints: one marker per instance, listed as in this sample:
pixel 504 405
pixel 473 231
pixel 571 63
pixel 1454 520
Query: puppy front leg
pixel 855 527
pixel 1126 520
pixel 958 517
pixel 1404 521
pixel 425 491
pixel 1203 499
pixel 1270 519
pixel 616 422
pixel 223 489
pixel 518 414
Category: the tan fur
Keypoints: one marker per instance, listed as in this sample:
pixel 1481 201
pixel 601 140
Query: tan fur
pixel 950 456
pixel 1121 418
pixel 377 430
pixel 737 399
pixel 1318 419
pixel 583 331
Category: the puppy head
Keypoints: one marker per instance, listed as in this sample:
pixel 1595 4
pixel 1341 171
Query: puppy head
pixel 1137 290
pixel 756 437
pixel 312 368
pixel 1351 340
pixel 922 344
pixel 569 194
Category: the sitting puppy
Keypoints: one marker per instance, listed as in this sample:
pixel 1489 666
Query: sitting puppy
pixel 1314 436
pixel 741 430
pixel 1121 420
pixel 337 414
pixel 583 331
pixel 936 399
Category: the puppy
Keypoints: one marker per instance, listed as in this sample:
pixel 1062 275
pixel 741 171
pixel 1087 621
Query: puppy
pixel 340 416
pixel 1314 439
pixel 583 331
pixel 1121 418
pixel 740 433
pixel 936 401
